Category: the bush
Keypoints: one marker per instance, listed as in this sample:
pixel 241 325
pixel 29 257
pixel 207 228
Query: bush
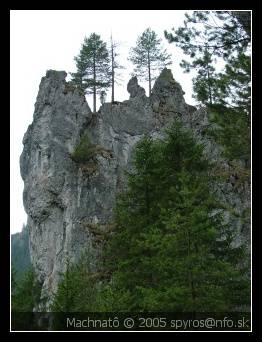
pixel 84 151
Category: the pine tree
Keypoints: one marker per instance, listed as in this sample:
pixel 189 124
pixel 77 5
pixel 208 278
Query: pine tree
pixel 93 68
pixel 149 56
pixel 78 78
pixel 225 37
pixel 26 294
pixel 77 288
pixel 25 300
pixel 205 85
pixel 221 36
pixel 171 250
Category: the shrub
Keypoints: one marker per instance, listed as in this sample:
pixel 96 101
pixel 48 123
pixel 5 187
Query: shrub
pixel 84 151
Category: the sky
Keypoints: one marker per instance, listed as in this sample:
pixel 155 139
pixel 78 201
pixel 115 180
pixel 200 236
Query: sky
pixel 50 39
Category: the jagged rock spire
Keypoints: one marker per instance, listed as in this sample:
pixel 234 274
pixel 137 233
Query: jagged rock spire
pixel 134 89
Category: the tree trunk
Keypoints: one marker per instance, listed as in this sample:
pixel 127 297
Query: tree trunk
pixel 149 72
pixel 94 86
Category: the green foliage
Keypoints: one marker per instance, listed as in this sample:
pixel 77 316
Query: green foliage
pixel 171 249
pixel 20 252
pixel 93 69
pixel 78 288
pixel 84 151
pixel 13 279
pixel 208 37
pixel 205 84
pixel 149 56
pixel 25 292
pixel 237 79
pixel 211 36
pixel 78 78
pixel 232 132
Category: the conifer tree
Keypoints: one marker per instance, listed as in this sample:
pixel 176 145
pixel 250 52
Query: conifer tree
pixel 171 250
pixel 205 85
pixel 149 56
pixel 209 37
pixel 77 288
pixel 26 294
pixel 93 68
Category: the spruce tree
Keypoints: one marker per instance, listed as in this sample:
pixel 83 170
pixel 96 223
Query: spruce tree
pixel 93 68
pixel 171 250
pixel 26 294
pixel 149 56
pixel 77 288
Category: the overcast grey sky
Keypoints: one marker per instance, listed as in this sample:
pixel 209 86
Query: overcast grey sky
pixel 49 39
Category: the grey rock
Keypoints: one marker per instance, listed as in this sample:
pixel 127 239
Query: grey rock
pixel 134 89
pixel 51 178
pixel 62 197
pixel 167 95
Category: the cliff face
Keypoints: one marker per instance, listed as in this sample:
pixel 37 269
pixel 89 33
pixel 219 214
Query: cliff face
pixel 62 198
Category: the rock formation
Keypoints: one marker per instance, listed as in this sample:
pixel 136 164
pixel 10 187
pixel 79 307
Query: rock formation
pixel 64 199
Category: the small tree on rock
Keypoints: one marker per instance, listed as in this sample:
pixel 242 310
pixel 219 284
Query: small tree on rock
pixel 93 69
pixel 148 56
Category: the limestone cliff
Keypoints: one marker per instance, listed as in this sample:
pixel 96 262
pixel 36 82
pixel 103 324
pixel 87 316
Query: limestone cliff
pixel 63 198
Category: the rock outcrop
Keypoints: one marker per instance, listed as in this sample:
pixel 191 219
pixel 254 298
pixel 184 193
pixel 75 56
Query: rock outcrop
pixel 64 199
pixel 134 88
